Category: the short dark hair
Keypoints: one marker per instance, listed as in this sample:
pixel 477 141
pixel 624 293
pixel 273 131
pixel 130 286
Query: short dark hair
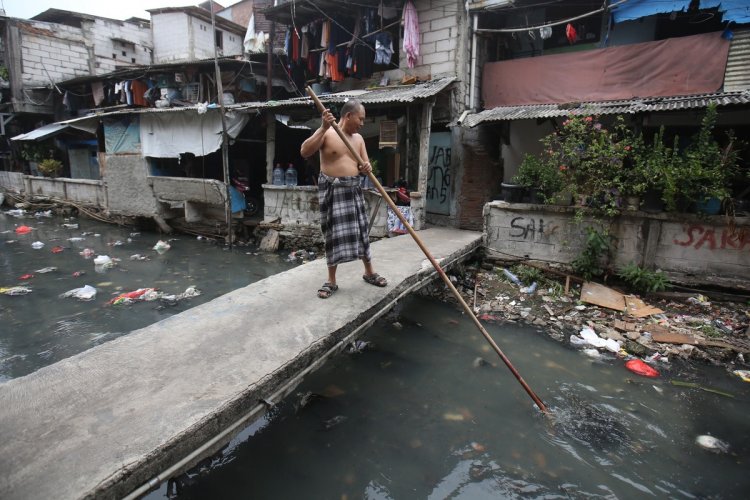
pixel 351 106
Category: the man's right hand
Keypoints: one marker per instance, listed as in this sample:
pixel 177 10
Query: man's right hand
pixel 328 119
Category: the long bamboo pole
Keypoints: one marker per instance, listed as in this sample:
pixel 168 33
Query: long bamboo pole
pixel 432 260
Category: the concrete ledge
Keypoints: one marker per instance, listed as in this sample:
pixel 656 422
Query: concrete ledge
pixel 108 420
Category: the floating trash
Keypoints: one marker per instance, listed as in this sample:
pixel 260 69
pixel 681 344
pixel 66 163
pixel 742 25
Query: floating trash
pixel 46 270
pixel 75 238
pixel 743 374
pixel 57 249
pixel 86 253
pixel 37 245
pixel 16 212
pixel 86 292
pixel 638 367
pixel 161 247
pixel 15 290
pixel 712 444
pixel 23 230
pixel 358 346
pixel 70 226
pixel 46 213
pixel 102 260
pixel 26 277
pixel 78 274
pixel 138 256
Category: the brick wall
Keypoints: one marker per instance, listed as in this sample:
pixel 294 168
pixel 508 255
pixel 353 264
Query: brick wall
pixel 480 180
pixel 52 52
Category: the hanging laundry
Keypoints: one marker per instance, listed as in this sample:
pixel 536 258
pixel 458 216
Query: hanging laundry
pixel 571 34
pixel 325 33
pixel 383 48
pixel 97 92
pixel 411 34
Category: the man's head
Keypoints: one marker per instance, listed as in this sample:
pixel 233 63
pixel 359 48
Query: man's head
pixel 352 116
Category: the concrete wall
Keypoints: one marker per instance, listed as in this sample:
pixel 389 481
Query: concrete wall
pixel 240 12
pixel 133 40
pixel 12 181
pixel 208 191
pixel 690 249
pixel 297 210
pixel 130 193
pixel 180 37
pixel 170 32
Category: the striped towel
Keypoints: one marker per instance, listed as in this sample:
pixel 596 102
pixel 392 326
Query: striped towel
pixel 343 219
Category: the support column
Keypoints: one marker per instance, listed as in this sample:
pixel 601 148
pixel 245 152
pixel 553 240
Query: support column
pixel 270 145
pixel 419 203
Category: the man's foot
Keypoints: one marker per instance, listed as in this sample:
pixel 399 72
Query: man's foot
pixel 375 279
pixel 327 290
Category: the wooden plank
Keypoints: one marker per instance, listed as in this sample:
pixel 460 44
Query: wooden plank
pixel 624 326
pixel 661 334
pixel 639 309
pixel 600 295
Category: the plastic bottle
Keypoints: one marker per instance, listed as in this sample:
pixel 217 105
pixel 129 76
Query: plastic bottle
pixel 278 175
pixel 512 277
pixel 291 175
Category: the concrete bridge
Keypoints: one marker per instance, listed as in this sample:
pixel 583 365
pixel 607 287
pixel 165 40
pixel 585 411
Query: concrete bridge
pixel 141 408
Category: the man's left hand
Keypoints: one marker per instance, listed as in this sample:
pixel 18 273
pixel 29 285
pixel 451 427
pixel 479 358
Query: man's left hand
pixel 366 168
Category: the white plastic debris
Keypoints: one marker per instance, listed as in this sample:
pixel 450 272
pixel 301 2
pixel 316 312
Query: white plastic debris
pixel 102 260
pixel 592 338
pixel 711 443
pixel 161 247
pixel 37 245
pixel 70 226
pixel 46 270
pixel 86 292
pixel 46 213
pixel 75 238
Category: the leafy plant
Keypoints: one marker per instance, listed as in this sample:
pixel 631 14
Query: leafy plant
pixel 50 167
pixel 643 280
pixel 35 151
pixel 704 169
pixel 535 172
pixel 595 254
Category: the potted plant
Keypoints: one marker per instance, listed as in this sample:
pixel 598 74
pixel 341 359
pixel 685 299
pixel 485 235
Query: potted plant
pixel 50 167
pixel 702 174
pixel 540 176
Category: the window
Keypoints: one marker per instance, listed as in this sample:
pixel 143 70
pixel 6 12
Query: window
pixel 114 56
pixel 124 53
pixel 219 39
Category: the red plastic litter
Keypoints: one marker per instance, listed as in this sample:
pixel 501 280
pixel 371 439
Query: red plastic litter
pixel 78 273
pixel 26 277
pixel 23 230
pixel 57 249
pixel 641 368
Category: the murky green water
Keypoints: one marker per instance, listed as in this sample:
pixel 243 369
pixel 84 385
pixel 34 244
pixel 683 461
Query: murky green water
pixel 416 417
pixel 40 328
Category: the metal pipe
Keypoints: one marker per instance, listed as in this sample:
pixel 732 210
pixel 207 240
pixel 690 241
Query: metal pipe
pixel 472 90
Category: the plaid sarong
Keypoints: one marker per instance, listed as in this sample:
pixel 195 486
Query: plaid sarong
pixel 343 219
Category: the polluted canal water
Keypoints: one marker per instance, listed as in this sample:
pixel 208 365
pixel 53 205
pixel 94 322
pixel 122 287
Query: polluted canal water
pixel 40 326
pixel 422 408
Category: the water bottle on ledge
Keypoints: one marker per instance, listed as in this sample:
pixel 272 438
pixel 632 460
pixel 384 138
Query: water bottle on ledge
pixel 278 175
pixel 291 175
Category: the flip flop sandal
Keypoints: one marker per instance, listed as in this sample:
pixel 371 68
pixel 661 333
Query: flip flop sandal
pixel 327 290
pixel 375 279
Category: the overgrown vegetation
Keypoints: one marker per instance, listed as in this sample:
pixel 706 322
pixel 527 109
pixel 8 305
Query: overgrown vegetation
pixel 643 280
pixel 592 262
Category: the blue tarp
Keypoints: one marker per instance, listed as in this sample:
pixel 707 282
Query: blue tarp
pixel 238 200
pixel 122 135
pixel 732 10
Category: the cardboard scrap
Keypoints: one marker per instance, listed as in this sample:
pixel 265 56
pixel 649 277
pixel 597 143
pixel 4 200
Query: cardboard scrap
pixel 664 335
pixel 270 242
pixel 636 307
pixel 624 326
pixel 600 295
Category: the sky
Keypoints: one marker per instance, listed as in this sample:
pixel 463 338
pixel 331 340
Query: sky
pixel 26 9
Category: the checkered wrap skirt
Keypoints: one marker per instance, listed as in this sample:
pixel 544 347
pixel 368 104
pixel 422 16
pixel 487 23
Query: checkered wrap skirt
pixel 343 219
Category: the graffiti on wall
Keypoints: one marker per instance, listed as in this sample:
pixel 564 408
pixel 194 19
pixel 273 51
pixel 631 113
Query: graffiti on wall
pixel 698 236
pixel 527 228
pixel 439 174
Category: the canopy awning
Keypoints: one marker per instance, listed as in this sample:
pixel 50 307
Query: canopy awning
pixel 85 123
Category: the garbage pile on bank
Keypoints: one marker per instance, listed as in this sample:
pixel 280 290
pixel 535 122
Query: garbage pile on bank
pixel 604 322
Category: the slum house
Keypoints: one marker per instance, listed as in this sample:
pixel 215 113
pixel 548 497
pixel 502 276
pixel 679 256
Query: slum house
pixel 422 40
pixel 55 46
pixel 125 193
pixel 541 63
pixel 162 85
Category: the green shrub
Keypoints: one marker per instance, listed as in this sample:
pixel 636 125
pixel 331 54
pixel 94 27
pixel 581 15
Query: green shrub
pixel 643 280
pixel 595 255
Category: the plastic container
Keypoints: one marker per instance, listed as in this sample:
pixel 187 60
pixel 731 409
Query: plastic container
pixel 278 175
pixel 512 277
pixel 291 176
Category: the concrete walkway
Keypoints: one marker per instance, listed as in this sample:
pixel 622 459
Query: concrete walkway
pixel 108 420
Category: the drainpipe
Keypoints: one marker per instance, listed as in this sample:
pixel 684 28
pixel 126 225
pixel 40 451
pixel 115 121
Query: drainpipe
pixel 472 90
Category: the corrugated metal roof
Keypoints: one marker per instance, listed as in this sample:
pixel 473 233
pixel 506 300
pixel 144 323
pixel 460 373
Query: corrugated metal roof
pixel 381 95
pixel 676 103
pixel 737 75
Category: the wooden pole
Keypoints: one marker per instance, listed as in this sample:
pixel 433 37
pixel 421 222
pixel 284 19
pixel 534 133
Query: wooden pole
pixel 432 260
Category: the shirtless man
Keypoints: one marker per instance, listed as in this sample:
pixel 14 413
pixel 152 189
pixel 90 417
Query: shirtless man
pixel 343 217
